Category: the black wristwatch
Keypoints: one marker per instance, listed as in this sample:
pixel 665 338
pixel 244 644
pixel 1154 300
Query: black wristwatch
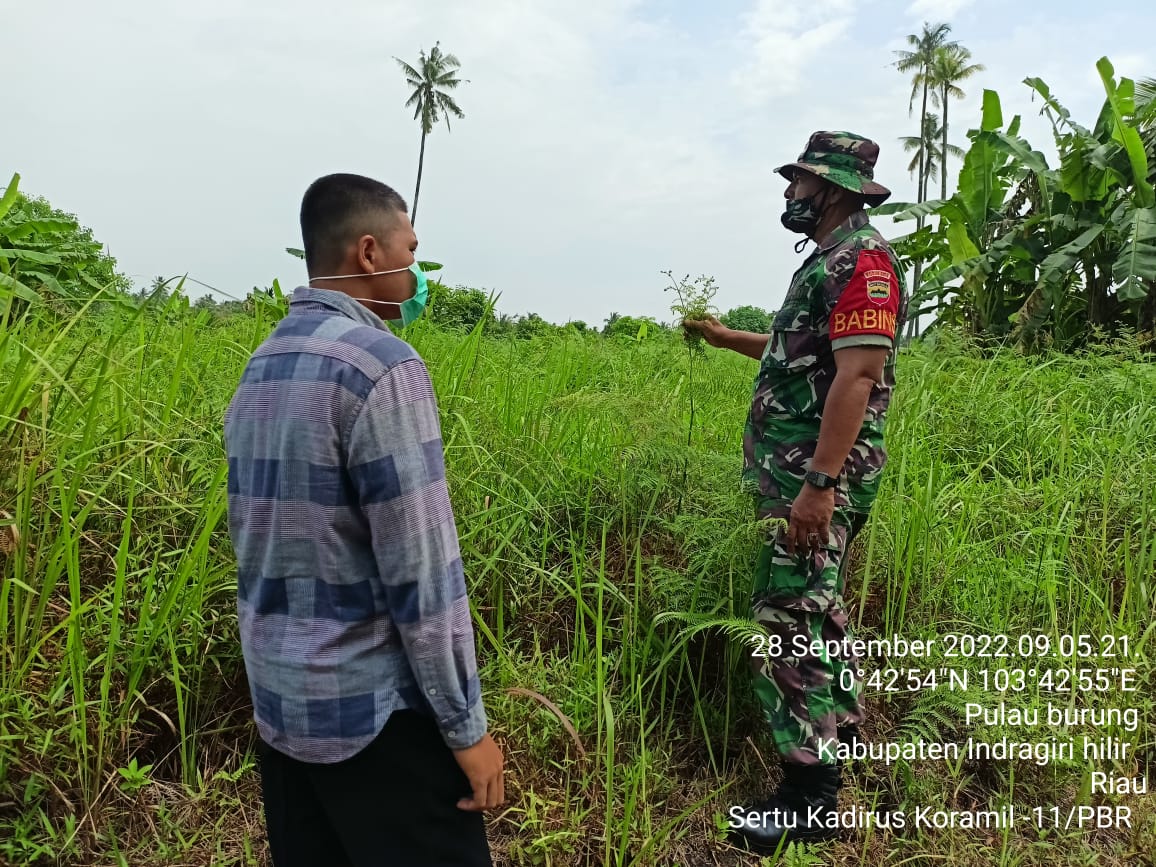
pixel 821 480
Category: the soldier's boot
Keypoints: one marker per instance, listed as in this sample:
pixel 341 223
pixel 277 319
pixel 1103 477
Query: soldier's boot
pixel 801 810
pixel 849 735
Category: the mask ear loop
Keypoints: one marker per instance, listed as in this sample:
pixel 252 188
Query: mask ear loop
pixel 396 304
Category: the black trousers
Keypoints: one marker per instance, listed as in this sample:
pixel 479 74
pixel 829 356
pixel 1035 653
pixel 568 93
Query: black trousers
pixel 394 804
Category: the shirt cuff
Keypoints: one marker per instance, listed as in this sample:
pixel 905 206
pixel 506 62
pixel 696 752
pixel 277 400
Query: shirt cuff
pixel 466 730
pixel 862 340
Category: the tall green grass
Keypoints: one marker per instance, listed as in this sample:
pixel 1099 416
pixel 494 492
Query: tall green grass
pixel 1019 498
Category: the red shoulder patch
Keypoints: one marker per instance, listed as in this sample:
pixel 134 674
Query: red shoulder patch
pixel 870 302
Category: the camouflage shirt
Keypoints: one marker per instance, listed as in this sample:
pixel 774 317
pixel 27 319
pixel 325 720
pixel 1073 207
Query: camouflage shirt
pixel 849 292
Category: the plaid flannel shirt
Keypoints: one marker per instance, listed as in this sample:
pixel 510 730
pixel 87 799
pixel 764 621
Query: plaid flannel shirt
pixel 350 592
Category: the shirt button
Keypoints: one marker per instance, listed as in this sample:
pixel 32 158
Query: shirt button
pixel 452 734
pixel 433 691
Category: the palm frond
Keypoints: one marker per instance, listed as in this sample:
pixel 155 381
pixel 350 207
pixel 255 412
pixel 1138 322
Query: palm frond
pixel 432 79
pixel 908 60
pixel 410 73
pixel 1146 116
pixel 949 65
pixel 429 115
pixel 919 59
pixel 447 105
pixel 1146 90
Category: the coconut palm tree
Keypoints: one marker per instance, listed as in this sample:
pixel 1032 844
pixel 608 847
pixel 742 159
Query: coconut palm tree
pixel 927 159
pixel 918 60
pixel 434 76
pixel 950 65
pixel 926 148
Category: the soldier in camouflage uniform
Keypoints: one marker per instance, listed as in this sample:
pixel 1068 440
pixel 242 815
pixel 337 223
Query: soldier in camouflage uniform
pixel 813 453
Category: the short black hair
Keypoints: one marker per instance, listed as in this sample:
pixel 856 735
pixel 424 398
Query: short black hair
pixel 338 209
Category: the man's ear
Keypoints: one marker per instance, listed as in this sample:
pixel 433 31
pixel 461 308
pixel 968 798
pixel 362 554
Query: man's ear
pixel 367 253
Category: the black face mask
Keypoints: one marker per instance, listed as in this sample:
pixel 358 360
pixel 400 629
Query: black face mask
pixel 803 215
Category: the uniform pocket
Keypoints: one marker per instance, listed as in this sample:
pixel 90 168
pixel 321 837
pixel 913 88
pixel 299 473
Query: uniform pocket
pixel 792 317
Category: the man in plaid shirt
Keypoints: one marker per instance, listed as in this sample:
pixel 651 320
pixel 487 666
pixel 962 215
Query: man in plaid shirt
pixel 354 621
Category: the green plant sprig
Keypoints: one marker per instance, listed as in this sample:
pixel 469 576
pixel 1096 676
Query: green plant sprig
pixel 694 299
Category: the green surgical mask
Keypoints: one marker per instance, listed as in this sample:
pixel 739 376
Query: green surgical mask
pixel 411 308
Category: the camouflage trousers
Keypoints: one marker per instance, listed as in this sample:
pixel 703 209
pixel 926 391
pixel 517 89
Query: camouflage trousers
pixel 806 692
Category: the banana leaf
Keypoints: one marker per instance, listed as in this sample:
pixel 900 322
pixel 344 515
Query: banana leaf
pixel 1120 98
pixel 1135 267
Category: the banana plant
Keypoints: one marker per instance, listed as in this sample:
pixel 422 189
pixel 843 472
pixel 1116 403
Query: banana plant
pixel 13 257
pixel 1024 247
pixel 45 253
pixel 974 235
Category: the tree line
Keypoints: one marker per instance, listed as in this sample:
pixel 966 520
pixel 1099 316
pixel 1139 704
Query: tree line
pixel 1021 252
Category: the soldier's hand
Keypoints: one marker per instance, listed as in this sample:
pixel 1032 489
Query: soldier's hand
pixel 810 523
pixel 713 331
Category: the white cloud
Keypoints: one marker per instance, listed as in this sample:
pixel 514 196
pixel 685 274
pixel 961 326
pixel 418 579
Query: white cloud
pixel 786 39
pixel 937 10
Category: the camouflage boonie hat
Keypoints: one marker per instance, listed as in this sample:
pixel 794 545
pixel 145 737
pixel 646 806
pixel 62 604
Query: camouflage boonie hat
pixel 842 158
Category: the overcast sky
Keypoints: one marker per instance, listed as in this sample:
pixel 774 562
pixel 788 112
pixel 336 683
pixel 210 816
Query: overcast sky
pixel 604 140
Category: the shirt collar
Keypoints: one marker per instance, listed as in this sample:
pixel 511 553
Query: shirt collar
pixel 853 223
pixel 338 301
